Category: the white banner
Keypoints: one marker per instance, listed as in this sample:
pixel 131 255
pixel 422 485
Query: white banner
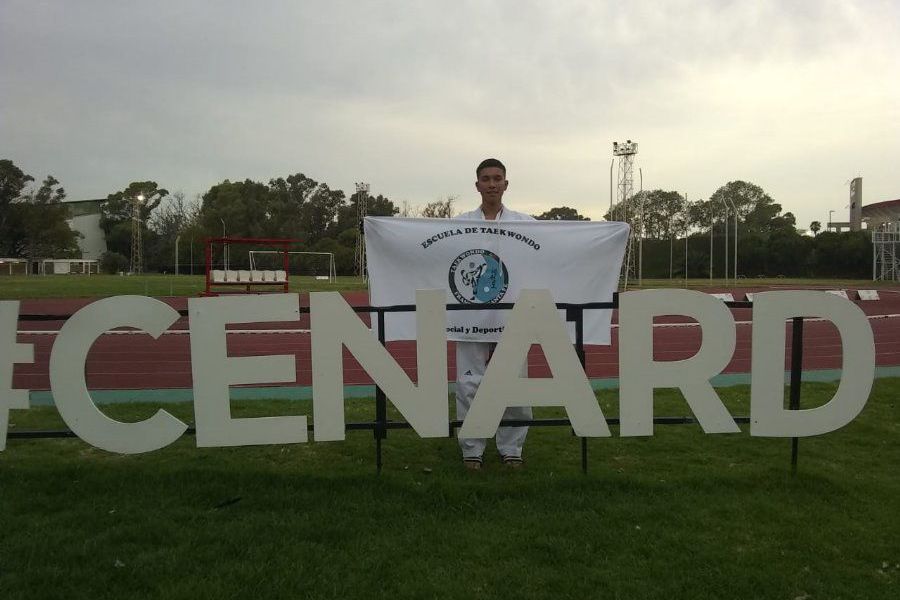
pixel 486 262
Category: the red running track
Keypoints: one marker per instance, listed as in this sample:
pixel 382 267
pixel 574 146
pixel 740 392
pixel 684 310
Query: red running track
pixel 134 361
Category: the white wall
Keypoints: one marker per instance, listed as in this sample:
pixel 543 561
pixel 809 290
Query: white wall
pixel 93 244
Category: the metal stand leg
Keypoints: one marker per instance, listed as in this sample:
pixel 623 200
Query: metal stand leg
pixel 796 376
pixel 380 404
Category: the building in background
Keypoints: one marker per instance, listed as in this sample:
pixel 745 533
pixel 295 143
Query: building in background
pixel 84 217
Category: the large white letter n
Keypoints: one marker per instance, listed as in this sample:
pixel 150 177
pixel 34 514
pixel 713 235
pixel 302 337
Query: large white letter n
pixel 334 326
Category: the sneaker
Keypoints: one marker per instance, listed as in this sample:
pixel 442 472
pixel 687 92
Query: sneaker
pixel 473 463
pixel 514 462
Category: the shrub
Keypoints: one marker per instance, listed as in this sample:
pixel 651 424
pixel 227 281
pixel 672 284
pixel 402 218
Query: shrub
pixel 113 262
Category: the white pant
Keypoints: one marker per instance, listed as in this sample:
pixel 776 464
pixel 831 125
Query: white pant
pixel 471 363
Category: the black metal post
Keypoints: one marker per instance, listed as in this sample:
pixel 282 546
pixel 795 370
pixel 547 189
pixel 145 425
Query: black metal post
pixel 577 314
pixel 796 376
pixel 380 403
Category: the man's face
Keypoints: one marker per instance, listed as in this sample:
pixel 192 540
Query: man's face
pixel 491 184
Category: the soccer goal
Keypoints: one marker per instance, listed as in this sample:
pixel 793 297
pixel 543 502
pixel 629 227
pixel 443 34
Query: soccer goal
pixel 314 264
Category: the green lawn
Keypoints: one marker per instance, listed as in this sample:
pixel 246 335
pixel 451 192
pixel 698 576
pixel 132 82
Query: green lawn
pixel 96 286
pixel 678 515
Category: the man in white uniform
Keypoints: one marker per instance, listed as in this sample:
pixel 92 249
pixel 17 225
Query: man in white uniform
pixel 472 357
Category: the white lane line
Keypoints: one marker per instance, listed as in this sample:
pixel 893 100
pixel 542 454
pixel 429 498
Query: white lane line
pixel 306 331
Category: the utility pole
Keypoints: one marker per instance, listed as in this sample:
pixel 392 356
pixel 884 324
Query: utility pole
pixel 687 228
pixel 711 221
pixel 725 223
pixel 735 212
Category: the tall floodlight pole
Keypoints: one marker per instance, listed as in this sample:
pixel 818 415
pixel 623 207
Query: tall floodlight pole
pixel 671 246
pixel 224 246
pixel 711 222
pixel 612 217
pixel 362 202
pixel 687 227
pixel 735 213
pixel 137 241
pixel 725 223
pixel 626 151
pixel 641 232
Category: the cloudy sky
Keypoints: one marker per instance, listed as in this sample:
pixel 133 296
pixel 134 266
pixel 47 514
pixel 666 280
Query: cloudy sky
pixel 798 97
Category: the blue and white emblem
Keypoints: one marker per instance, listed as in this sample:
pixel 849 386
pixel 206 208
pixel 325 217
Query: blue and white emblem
pixel 478 276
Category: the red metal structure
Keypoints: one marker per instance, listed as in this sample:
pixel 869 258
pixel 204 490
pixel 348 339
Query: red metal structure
pixel 245 281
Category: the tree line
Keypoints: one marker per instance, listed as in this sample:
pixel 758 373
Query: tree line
pixel 676 232
pixel 676 236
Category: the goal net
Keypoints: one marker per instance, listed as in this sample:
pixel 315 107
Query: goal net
pixel 319 265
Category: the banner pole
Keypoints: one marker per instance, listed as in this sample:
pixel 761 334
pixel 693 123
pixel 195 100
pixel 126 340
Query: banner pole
pixel 796 376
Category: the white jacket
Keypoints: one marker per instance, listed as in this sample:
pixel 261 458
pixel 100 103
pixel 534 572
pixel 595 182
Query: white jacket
pixel 505 214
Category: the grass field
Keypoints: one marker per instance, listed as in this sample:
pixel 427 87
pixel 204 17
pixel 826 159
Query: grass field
pixel 97 286
pixel 678 515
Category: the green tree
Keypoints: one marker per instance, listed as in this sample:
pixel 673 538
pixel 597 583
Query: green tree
pixel 116 217
pixel 45 223
pixel 33 222
pixel 376 206
pixel 237 209
pixel 439 209
pixel 175 218
pixel 815 227
pixel 746 197
pixel 561 213
pixel 320 212
pixel 287 204
pixel 664 213
pixel 12 184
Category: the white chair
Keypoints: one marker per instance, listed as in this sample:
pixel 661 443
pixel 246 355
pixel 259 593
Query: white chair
pixel 218 276
pixel 280 276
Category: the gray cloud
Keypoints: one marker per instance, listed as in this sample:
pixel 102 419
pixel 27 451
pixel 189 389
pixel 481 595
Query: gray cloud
pixel 798 96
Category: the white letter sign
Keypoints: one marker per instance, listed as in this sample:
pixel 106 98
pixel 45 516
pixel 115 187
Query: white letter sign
pixel 639 374
pixel 767 412
pixel 70 393
pixel 213 370
pixel 534 320
pixel 10 352
pixel 335 325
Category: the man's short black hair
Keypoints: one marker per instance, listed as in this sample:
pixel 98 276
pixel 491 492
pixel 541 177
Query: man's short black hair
pixel 487 163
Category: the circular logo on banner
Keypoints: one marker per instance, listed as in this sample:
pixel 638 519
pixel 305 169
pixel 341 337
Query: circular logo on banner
pixel 478 277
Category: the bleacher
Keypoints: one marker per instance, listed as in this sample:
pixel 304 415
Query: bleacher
pixel 248 279
pixel 252 280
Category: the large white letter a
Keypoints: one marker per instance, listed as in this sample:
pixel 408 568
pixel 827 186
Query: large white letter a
pixel 534 320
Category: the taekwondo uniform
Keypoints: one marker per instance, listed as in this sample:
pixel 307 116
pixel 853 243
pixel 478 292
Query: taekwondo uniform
pixel 471 363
